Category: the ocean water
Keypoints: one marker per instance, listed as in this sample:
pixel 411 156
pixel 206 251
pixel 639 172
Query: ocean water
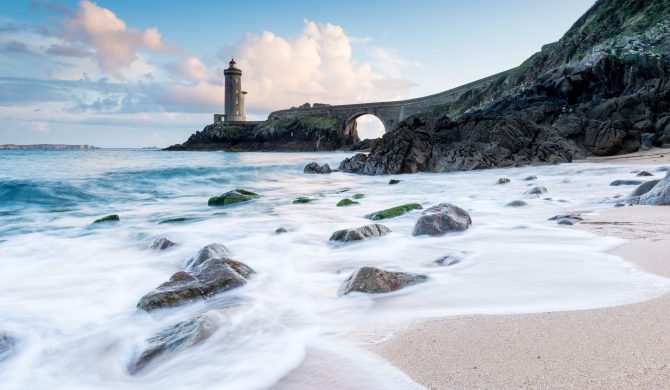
pixel 69 289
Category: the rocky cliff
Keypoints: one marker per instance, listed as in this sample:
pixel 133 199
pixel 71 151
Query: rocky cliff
pixel 311 133
pixel 603 89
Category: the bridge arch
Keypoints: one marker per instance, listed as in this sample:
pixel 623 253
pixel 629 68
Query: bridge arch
pixel 388 122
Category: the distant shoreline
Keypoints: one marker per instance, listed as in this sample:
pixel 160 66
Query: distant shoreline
pixel 47 147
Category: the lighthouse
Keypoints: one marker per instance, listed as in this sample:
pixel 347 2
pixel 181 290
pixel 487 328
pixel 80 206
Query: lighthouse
pixel 234 99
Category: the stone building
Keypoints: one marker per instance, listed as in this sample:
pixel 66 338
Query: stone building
pixel 234 98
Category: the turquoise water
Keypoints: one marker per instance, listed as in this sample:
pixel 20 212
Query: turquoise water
pixel 68 289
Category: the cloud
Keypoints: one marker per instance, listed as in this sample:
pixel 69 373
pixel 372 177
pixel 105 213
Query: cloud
pixel 191 68
pixel 16 47
pixel 39 126
pixel 389 62
pixel 114 44
pixel 68 51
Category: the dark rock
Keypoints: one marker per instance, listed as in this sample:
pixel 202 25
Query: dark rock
pixel 374 230
pixel 645 173
pixel 450 259
pixel 281 230
pixel 7 345
pixel 315 168
pixel 646 141
pixel 211 251
pixel 394 181
pixel 567 219
pixel 358 196
pixel 373 280
pixel 516 203
pixel 644 188
pixel 440 219
pixel 503 180
pixel 203 281
pixel 108 218
pixel 619 205
pixel 529 178
pixel 659 195
pixel 302 199
pixel 393 211
pixel 625 182
pixel 162 243
pixel 178 337
pixel 537 190
pixel 231 197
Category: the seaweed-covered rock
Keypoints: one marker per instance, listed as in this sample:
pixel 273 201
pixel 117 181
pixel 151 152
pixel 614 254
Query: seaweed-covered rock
pixel 346 235
pixel 358 196
pixel 175 338
pixel 373 280
pixel 201 282
pixel 346 202
pixel 315 168
pixel 441 219
pixel 231 197
pixel 302 200
pixel 393 211
pixel 161 244
pixel 394 181
pixel 108 218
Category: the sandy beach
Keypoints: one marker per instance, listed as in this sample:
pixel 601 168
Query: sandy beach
pixel 618 347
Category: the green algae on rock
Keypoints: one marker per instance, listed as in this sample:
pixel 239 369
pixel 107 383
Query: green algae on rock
pixel 394 211
pixel 108 218
pixel 345 202
pixel 235 196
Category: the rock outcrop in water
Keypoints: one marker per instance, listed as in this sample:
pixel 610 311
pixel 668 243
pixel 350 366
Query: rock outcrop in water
pixel 178 337
pixel 211 251
pixel 598 91
pixel 373 280
pixel 315 168
pixel 7 345
pixel 346 235
pixel 393 211
pixel 441 219
pixel 231 197
pixel 306 134
pixel 201 282
pixel 658 195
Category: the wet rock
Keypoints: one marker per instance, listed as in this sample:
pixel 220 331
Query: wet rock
pixel 162 243
pixel 211 251
pixel 663 169
pixel 108 218
pixel 7 345
pixel 619 205
pixel 314 168
pixel 394 181
pixel 281 230
pixel 537 190
pixel 645 173
pixel 178 337
pixel 646 141
pixel 203 281
pixel 175 220
pixel 644 188
pixel 503 180
pixel 373 280
pixel 529 178
pixel 450 259
pixel 625 182
pixel 302 199
pixel 567 219
pixel 346 202
pixel 231 197
pixel 516 203
pixel 658 195
pixel 358 196
pixel 346 235
pixel 441 219
pixel 393 211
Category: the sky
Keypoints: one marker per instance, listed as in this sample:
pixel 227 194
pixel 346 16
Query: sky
pixel 149 73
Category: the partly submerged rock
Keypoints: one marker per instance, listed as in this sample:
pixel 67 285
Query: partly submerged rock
pixel 302 199
pixel 281 230
pixel 567 219
pixel 373 280
pixel 529 178
pixel 358 196
pixel 625 182
pixel 503 180
pixel 516 203
pixel 537 190
pixel 211 251
pixel 440 219
pixel 231 197
pixel 394 181
pixel 644 188
pixel 203 281
pixel 645 173
pixel 360 233
pixel 658 195
pixel 7 345
pixel 183 335
pixel 108 218
pixel 162 243
pixel 315 168
pixel 346 202
pixel 450 259
pixel 393 211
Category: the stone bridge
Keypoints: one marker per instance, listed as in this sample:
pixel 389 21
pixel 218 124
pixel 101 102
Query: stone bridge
pixel 390 113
